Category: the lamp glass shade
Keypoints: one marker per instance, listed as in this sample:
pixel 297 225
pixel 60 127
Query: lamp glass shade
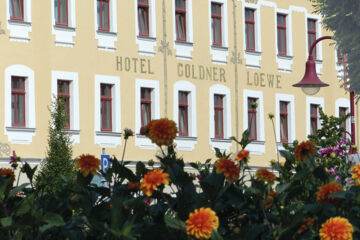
pixel 310 90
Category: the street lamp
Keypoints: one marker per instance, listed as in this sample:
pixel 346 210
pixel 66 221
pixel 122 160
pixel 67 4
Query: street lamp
pixel 311 84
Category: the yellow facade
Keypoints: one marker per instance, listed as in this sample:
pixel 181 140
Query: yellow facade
pixel 122 56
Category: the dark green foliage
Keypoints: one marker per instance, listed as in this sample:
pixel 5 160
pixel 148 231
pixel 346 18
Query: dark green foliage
pixel 343 19
pixel 59 160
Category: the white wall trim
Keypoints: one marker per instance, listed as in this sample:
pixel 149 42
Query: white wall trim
pixel 222 90
pixel 343 102
pixel 19 30
pixel 64 35
pixel 186 143
pixel 257 147
pixel 107 40
pixel 141 141
pixel 73 78
pixel 313 100
pixel 108 139
pixel 21 135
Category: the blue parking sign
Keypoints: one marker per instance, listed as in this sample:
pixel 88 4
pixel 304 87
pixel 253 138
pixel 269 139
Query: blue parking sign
pixel 105 162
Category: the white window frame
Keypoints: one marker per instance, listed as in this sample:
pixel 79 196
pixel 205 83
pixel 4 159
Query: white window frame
pixel 345 103
pixel 220 53
pixel 146 44
pixel 253 58
pixel 184 49
pixel 140 140
pixel 285 62
pixel 64 34
pixel 186 143
pixel 291 118
pixel 20 135
pixel 108 139
pixel 256 147
pixel 318 46
pixel 225 143
pixel 73 78
pixel 107 40
pixel 317 101
pixel 19 30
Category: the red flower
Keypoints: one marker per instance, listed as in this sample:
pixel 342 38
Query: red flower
pixel 228 167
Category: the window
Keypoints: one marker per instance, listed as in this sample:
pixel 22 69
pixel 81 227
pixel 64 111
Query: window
pixel 281 33
pixel 64 92
pixel 180 15
pixel 143 17
pixel 311 25
pixel 17 10
pixel 216 24
pixel 145 106
pixel 250 29
pixel 61 12
pixel 106 103
pixel 103 16
pixel 18 101
pixel 284 132
pixel 313 118
pixel 219 115
pixel 252 126
pixel 341 58
pixel 342 112
pixel 183 114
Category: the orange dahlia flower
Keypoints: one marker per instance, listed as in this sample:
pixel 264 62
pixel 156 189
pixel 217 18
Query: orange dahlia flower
pixel 8 173
pixel 228 167
pixel 266 175
pixel 323 194
pixel 152 179
pixel 88 164
pixel 304 227
pixel 356 174
pixel 133 185
pixel 304 149
pixel 336 228
pixel 242 155
pixel 162 131
pixel 270 198
pixel 201 223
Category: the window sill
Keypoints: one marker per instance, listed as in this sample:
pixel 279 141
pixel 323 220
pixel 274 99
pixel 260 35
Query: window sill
pixel 223 144
pixel 72 132
pixel 106 33
pixel 146 45
pixel 184 43
pixel 222 48
pixel 254 53
pixel 108 139
pixel 185 143
pixel 151 39
pixel 318 61
pixel 284 63
pixel 144 142
pixel 252 59
pixel 221 140
pixel 256 147
pixel 20 129
pixel 183 50
pixel 108 133
pixel 64 28
pixel 20 135
pixel 20 23
pixel 285 57
pixel 219 54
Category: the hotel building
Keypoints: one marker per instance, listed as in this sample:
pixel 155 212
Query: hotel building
pixel 202 63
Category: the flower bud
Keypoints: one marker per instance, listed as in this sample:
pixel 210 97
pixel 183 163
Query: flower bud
pixel 151 162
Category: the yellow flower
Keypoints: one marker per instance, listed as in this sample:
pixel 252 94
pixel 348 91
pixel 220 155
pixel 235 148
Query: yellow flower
pixel 88 164
pixel 304 149
pixel 323 194
pixel 242 155
pixel 162 131
pixel 8 173
pixel 336 228
pixel 356 174
pixel 201 223
pixel 152 179
pixel 228 167
pixel 267 176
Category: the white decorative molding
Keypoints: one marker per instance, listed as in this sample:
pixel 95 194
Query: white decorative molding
pixel 73 78
pixel 146 44
pixel 19 30
pixel 255 147
pixel 64 34
pixel 186 143
pixel 142 141
pixel 225 143
pixel 20 135
pixel 107 40
pixel 313 100
pixel 108 139
pixel 220 53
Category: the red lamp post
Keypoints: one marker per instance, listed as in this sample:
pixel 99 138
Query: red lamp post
pixel 311 84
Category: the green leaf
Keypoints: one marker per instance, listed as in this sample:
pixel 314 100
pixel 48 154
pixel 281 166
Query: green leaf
pixel 45 227
pixel 283 187
pixel 174 223
pixel 215 235
pixel 140 169
pixel 6 221
pixel 3 186
pixel 53 219
pixel 25 205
